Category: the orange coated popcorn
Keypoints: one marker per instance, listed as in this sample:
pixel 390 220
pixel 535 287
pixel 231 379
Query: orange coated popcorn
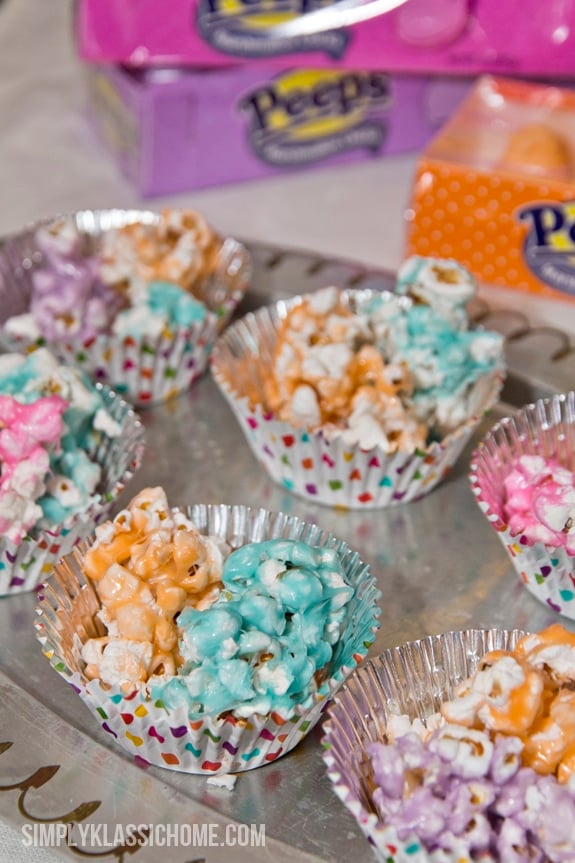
pixel 181 248
pixel 327 372
pixel 529 693
pixel 147 565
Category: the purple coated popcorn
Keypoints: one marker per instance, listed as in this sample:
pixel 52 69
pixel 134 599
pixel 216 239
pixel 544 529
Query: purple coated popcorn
pixel 506 758
pixel 512 844
pixel 466 800
pixel 70 300
pixel 550 815
pixel 422 813
pixel 134 280
pixel 465 795
pixel 69 297
pixel 389 766
pixel 512 798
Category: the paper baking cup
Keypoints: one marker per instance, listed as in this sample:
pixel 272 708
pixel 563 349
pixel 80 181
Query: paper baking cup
pixel 24 565
pixel 165 737
pixel 323 470
pixel 545 428
pixel 414 679
pixel 147 371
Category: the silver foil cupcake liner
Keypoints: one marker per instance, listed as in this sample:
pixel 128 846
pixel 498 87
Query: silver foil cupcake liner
pixel 328 471
pixel 545 428
pixel 145 370
pixel 146 729
pixel 414 680
pixel 26 564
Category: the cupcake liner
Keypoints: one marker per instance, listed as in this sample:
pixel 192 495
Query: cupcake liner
pixel 412 679
pixel 165 737
pixel 545 428
pixel 146 370
pixel 24 565
pixel 328 471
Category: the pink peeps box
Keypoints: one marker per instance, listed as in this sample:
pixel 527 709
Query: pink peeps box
pixel 447 36
pixel 173 130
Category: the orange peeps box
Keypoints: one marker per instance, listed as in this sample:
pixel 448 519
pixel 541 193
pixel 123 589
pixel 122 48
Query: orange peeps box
pixel 495 189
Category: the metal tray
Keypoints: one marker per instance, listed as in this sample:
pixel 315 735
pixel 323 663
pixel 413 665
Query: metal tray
pixel 439 565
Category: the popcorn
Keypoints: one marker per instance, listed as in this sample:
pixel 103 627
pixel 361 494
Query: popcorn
pixel 147 565
pixel 382 373
pixel 540 501
pixel 181 248
pixel 522 478
pixel 246 631
pixel 469 751
pixel 46 416
pixel 136 299
pixel 444 285
pixel 504 695
pixel 136 281
pixel 494 781
pixel 328 373
pixel 447 361
pixel 266 636
pixel 245 656
pixel 27 432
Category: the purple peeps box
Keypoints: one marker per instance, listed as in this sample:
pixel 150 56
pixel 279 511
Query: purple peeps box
pixel 175 130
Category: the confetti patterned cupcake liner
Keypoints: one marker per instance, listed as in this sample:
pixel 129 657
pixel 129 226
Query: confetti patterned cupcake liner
pixel 413 679
pixel 26 564
pixel 323 470
pixel 545 428
pixel 154 734
pixel 145 370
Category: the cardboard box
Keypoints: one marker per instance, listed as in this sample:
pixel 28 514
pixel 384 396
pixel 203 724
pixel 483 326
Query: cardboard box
pixel 495 189
pixel 173 131
pixel 440 36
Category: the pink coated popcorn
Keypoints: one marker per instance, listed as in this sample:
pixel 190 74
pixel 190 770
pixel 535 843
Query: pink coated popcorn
pixel 24 426
pixel 26 430
pixel 20 487
pixel 540 502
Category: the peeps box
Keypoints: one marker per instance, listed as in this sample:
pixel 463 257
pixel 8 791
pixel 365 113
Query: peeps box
pixel 448 36
pixel 173 131
pixel 495 188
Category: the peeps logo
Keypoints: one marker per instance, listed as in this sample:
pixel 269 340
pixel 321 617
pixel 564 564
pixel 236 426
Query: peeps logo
pixel 308 115
pixel 549 249
pixel 238 27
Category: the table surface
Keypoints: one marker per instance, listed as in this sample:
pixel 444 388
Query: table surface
pixel 438 564
pixel 50 162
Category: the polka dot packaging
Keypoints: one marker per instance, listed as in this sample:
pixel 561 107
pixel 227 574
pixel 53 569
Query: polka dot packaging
pixel 494 188
pixel 145 728
pixel 134 298
pixel 545 430
pixel 321 468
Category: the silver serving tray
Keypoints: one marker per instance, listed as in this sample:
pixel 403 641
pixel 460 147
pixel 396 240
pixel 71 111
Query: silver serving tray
pixel 439 565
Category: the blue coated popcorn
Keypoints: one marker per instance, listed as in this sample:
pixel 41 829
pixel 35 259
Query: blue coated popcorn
pixel 261 645
pixel 447 361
